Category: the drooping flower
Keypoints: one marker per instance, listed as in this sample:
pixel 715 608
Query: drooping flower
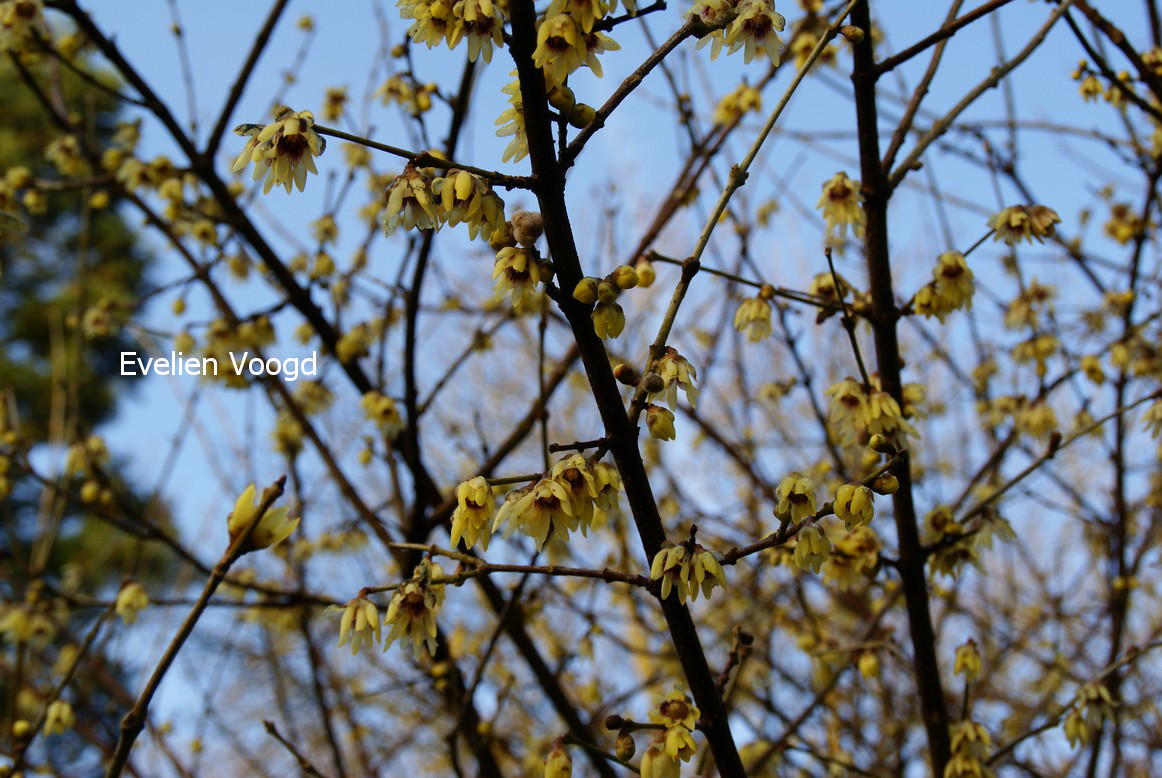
pixel 842 206
pixel 382 410
pixel 472 518
pixel 465 197
pixel 59 718
pixel 358 624
pixel 1024 222
pixel 483 24
pixel 608 320
pixel 796 495
pixel 812 548
pixel 284 152
pixel 587 12
pixel 656 763
pixel 411 202
pixel 412 612
pixel 967 661
pixel 676 710
pixel 676 371
pixel 517 273
pixel 687 572
pixel 951 290
pixel 854 504
pixel 734 105
pixel 542 509
pixel 273 527
pixel 560 47
pixel 754 318
pixel 660 422
pixel 131 600
pixel 574 474
pixel 512 122
pixel 558 764
pixel 755 30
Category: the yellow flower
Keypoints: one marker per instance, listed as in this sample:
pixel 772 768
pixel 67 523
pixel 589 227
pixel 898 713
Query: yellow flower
pixel 558 763
pixel 660 422
pixel 1024 222
pixel 574 474
pixel 483 23
pixel 412 612
pixel 686 572
pixel 679 744
pixel 656 763
pixel 734 105
pixel 472 518
pixel 676 371
pixel 284 151
pixel 812 548
pixel 1152 420
pixel 560 47
pixel 465 197
pixel 672 566
pixel 854 504
pixel 588 11
pixel 59 719
pixel 968 661
pixel 274 527
pixel 512 122
pixel 754 318
pixel 382 410
pixel 608 320
pixel 415 99
pixel 754 30
pixel 21 22
pixel 951 290
pixel 676 710
pixel 842 205
pixel 410 202
pixel 517 273
pixel 334 102
pixel 1090 88
pixel 715 14
pixel 358 624
pixel 434 21
pixel 607 480
pixel 542 509
pixel 796 495
pixel 595 43
pixel 131 600
pixel 970 749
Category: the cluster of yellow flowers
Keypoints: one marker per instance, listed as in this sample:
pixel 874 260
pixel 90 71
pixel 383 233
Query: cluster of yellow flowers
pixel 750 25
pixel 411 614
pixel 685 568
pixel 567 41
pixel 674 744
pixel 842 207
pixel 564 500
pixel 970 751
pixel 284 152
pixel 734 105
pixel 1092 704
pixel 414 98
pixel 418 198
pixel 857 412
pixel 1024 222
pixel 852 559
pixel 481 21
pixel 608 316
pixel 950 290
pixel 383 411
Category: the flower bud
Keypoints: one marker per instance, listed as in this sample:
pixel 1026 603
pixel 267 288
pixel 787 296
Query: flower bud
pixel 398 50
pixel 624 746
pixel 766 292
pixel 625 277
pixel 586 291
pixel 869 664
pixel 582 115
pixel 527 226
pixel 851 32
pixel 645 273
pixel 563 99
pixel 653 383
pixel 607 291
pixel 660 422
pixel 881 444
pixel 886 484
pixel 626 375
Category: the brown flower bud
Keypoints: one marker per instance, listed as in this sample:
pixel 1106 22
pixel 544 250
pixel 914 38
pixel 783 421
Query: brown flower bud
pixel 527 226
pixel 653 383
pixel 624 746
pixel 626 374
pixel 851 32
